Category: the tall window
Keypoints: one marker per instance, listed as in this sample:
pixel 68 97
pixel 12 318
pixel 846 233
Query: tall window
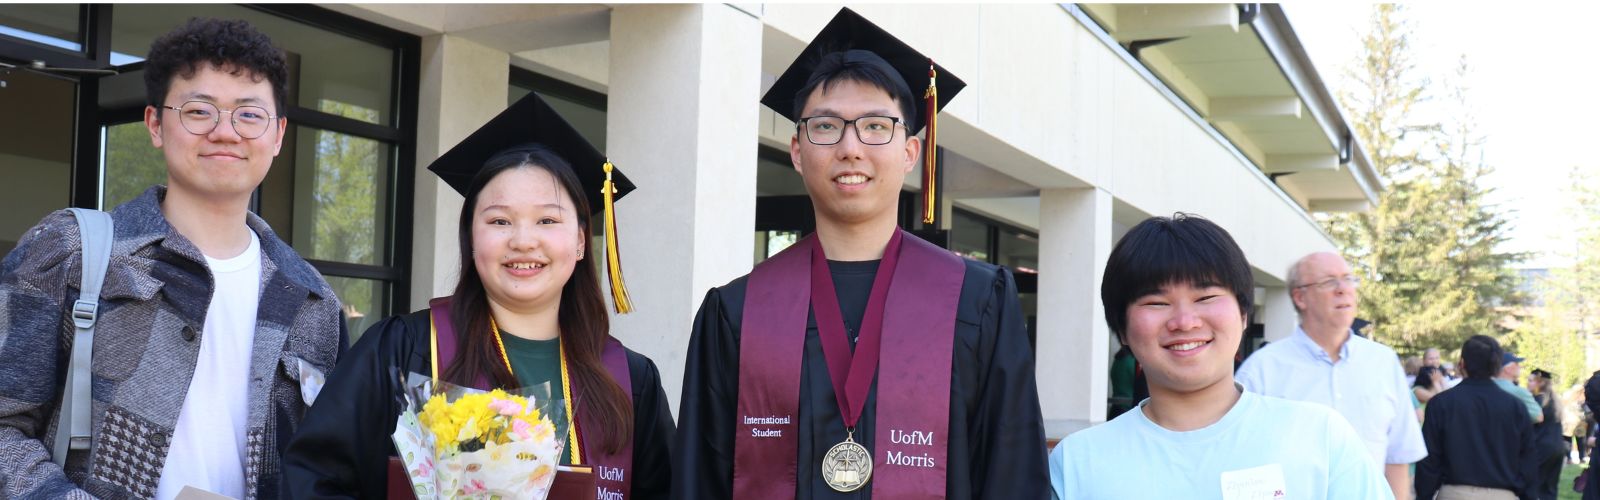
pixel 980 238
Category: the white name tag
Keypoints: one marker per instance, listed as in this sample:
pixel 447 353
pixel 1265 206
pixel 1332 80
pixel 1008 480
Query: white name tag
pixel 193 493
pixel 1256 483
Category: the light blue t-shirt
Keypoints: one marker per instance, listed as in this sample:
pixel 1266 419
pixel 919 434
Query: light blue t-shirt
pixel 1269 445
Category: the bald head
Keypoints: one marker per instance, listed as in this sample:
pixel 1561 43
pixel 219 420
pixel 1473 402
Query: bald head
pixel 1324 292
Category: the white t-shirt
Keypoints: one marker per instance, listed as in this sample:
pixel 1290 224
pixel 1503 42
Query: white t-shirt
pixel 1262 448
pixel 208 443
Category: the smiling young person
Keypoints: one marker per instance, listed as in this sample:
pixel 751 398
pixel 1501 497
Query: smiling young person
pixel 206 319
pixel 527 310
pixel 1177 291
pixel 861 362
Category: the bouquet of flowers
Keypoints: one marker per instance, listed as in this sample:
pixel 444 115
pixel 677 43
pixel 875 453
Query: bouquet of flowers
pixel 459 442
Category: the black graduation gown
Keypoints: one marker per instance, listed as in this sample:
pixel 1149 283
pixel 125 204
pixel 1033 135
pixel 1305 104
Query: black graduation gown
pixel 342 447
pixel 996 443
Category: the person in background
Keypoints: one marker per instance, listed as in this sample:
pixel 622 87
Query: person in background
pixel 1322 362
pixel 1591 402
pixel 1479 438
pixel 1551 444
pixel 1452 374
pixel 1122 374
pixel 1510 371
pixel 1431 357
pixel 1573 418
pixel 1430 382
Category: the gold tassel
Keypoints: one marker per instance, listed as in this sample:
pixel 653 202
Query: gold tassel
pixel 619 291
pixel 930 163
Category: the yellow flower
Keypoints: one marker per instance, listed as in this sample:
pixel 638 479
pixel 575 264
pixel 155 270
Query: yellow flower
pixel 479 417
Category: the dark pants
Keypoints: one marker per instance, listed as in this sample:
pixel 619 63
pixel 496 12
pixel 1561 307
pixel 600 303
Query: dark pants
pixel 1549 479
pixel 1582 442
pixel 1591 490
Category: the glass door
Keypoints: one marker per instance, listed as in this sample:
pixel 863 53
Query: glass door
pixel 36 148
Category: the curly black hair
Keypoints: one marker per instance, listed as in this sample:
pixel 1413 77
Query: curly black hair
pixel 233 45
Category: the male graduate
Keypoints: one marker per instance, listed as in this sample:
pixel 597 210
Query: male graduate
pixel 861 362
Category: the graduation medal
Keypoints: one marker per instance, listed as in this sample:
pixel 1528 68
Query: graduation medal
pixel 848 465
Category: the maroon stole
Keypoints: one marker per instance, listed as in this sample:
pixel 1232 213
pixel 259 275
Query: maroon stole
pixel 913 404
pixel 610 470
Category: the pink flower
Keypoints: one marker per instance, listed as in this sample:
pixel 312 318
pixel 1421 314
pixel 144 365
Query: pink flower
pixel 521 429
pixel 505 407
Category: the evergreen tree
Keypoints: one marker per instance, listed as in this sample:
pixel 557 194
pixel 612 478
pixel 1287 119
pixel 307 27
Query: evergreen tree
pixel 1560 327
pixel 1427 251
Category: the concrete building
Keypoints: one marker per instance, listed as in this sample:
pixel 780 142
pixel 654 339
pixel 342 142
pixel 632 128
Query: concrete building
pixel 1079 121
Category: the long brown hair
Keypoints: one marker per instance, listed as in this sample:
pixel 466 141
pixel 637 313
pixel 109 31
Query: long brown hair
pixel 583 319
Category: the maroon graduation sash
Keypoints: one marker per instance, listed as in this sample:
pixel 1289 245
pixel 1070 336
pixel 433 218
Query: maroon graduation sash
pixel 913 403
pixel 610 470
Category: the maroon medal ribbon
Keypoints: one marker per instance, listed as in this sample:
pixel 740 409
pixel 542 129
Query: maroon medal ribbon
pixel 851 373
pixel 918 319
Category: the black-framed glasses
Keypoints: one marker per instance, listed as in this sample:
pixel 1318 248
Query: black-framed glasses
pixel 829 130
pixel 1332 283
pixel 200 118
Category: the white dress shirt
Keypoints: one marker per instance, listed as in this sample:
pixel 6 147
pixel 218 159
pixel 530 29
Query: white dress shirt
pixel 1367 386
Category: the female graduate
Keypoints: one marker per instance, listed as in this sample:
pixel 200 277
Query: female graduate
pixel 527 310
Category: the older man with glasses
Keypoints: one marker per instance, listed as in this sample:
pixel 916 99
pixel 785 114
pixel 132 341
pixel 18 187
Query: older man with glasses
pixel 1322 362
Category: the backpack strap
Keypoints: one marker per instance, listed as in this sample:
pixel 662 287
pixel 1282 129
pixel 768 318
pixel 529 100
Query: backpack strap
pixel 96 234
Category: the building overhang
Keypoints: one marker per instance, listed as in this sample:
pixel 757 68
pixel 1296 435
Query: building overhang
pixel 1242 69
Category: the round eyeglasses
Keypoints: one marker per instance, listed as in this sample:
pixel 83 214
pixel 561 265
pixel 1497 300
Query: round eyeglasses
pixel 829 130
pixel 200 118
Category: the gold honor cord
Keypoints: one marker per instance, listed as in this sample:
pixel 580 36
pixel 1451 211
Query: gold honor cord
pixel 502 345
pixel 566 389
pixel 433 346
pixel 572 423
pixel 619 290
pixel 930 164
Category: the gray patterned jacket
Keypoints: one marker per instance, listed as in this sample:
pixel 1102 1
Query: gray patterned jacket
pixel 152 310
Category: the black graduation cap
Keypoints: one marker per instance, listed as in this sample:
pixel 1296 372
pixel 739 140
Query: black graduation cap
pixel 851 40
pixel 531 120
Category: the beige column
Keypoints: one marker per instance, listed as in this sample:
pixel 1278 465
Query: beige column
pixel 463 86
pixel 682 122
pixel 1278 318
pixel 1074 342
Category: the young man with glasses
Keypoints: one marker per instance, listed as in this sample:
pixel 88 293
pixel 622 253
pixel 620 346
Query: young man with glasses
pixel 861 362
pixel 212 333
pixel 1322 362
